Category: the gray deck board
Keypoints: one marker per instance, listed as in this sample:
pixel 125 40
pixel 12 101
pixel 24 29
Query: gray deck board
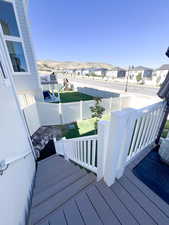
pixel 57 218
pixel 144 202
pixel 87 211
pixel 65 194
pixel 103 210
pixel 52 169
pixel 124 216
pixel 60 198
pixel 52 190
pixel 56 179
pixel 44 161
pixel 72 213
pixel 135 209
pixel 148 192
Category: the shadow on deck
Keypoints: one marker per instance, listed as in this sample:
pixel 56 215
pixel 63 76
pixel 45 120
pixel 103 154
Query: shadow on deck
pixel 65 194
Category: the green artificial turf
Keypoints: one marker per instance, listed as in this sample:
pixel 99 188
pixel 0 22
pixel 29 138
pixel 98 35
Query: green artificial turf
pixel 83 128
pixel 74 96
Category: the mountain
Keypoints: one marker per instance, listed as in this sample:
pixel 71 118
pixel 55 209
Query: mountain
pixel 51 65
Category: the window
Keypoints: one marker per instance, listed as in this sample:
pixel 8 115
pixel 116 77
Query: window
pixel 8 19
pixel 12 37
pixel 17 56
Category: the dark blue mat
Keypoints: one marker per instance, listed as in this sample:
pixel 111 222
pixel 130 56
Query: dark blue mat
pixel 155 174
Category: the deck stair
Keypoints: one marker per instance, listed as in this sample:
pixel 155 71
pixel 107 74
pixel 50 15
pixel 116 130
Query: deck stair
pixel 57 181
pixel 66 194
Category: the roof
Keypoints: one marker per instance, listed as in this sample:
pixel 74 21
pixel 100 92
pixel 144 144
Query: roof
pixel 100 69
pixel 118 68
pixel 163 67
pixel 141 68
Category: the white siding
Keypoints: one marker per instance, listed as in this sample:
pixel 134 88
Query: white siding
pixel 29 82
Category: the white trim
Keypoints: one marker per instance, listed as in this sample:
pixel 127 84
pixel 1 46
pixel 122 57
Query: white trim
pixel 16 39
pixel 32 46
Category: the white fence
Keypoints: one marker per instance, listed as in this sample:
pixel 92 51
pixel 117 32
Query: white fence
pixel 41 113
pixel 82 151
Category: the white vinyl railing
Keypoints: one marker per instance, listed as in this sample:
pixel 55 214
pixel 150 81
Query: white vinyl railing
pixel 147 122
pixel 130 132
pixel 82 151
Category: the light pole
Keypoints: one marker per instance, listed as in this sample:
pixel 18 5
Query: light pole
pixel 127 80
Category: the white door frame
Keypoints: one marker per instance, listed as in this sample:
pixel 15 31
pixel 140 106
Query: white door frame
pixel 10 82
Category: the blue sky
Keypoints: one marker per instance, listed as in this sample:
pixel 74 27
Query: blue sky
pixel 119 32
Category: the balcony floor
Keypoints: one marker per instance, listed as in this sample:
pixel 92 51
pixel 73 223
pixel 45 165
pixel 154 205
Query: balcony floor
pixel 65 194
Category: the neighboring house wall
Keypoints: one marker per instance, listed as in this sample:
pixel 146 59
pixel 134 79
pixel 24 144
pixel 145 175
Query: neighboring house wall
pixel 145 74
pixel 85 72
pixel 160 75
pixel 121 74
pixel 116 74
pixel 111 74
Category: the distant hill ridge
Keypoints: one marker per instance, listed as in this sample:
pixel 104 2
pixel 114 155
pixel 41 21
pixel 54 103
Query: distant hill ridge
pixel 49 65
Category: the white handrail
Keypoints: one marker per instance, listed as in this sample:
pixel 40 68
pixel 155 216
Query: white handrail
pixel 83 138
pixel 12 160
pixel 82 150
pixel 4 164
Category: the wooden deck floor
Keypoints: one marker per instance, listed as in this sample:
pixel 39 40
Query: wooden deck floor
pixel 67 195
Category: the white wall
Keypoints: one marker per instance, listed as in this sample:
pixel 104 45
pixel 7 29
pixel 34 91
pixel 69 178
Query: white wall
pixel 15 191
pixel 15 183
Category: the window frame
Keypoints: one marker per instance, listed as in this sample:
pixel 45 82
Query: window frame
pixel 15 39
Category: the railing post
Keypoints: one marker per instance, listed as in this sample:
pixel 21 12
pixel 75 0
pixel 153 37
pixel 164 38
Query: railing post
pixel 110 103
pixel 60 113
pixel 103 127
pixel 119 139
pixel 81 110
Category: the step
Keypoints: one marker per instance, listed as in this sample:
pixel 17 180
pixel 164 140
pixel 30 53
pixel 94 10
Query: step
pixel 52 180
pixel 44 161
pixel 53 162
pixel 43 175
pixel 59 186
pixel 47 207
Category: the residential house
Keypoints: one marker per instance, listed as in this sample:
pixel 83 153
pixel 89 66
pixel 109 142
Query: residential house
pixel 86 71
pixel 116 72
pixel 145 72
pixel 99 72
pixel 97 179
pixel 160 73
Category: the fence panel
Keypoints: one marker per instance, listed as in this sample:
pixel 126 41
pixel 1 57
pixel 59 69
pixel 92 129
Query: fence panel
pixel 71 112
